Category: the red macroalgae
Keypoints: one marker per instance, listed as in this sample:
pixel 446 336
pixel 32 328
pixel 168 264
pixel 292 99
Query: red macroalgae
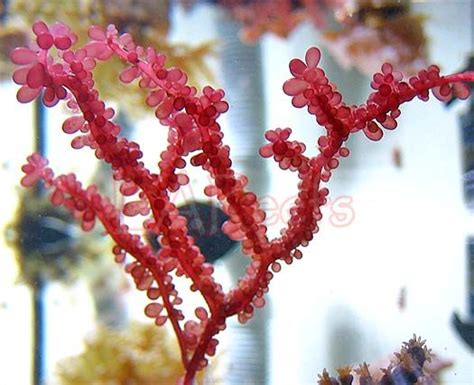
pixel 192 120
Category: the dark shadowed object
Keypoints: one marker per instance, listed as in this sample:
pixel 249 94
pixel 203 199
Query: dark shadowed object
pixel 464 329
pixel 205 226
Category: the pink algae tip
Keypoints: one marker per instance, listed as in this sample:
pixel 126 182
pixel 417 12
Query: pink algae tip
pixel 23 55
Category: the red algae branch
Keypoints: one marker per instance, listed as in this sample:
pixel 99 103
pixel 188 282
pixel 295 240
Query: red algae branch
pixel 53 70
